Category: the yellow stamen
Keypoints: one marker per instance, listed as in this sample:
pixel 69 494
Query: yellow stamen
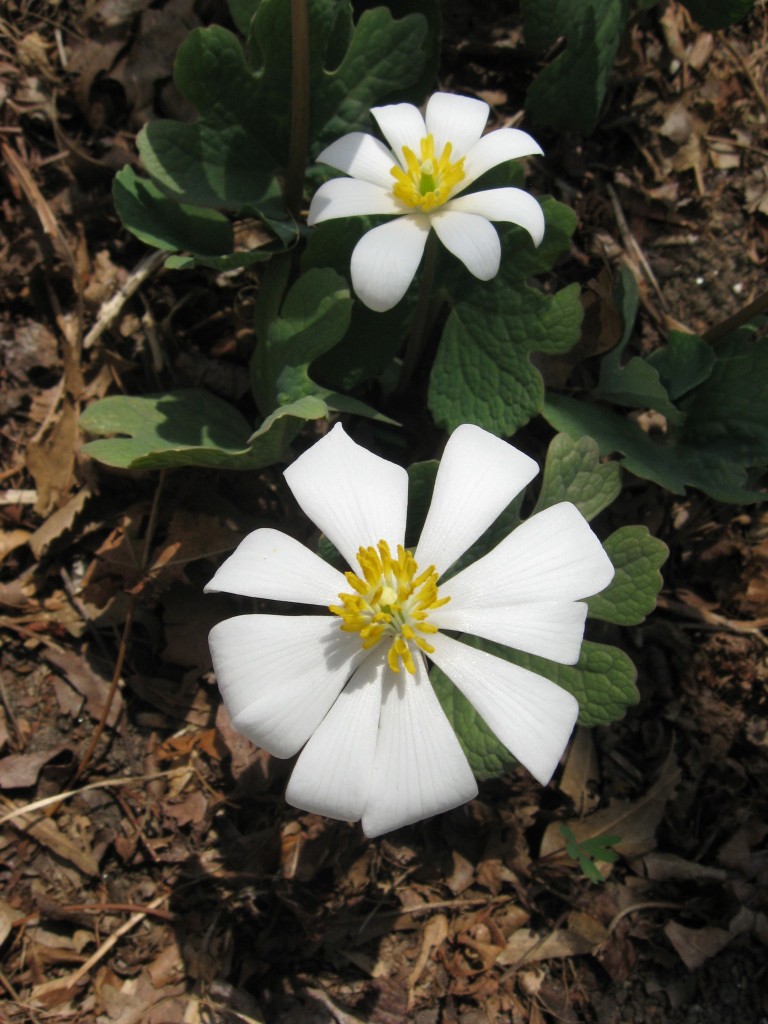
pixel 427 183
pixel 391 601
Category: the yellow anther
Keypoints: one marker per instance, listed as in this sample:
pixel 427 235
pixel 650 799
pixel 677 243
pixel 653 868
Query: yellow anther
pixel 391 601
pixel 428 182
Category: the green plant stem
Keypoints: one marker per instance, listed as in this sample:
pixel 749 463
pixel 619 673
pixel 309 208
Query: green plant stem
pixel 732 323
pixel 417 336
pixel 297 159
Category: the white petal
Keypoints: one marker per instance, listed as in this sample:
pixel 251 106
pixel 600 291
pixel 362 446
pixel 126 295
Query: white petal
pixel 471 239
pixel 272 565
pixel 510 204
pixel 362 156
pixel 496 148
pixel 279 674
pixel 333 773
pixel 355 497
pixel 553 556
pixel 386 259
pixel 401 125
pixel 551 629
pixel 459 120
pixel 532 716
pixel 420 768
pixel 348 197
pixel 479 475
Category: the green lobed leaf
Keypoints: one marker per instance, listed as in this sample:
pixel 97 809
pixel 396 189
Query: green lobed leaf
pixel 385 58
pixel 602 681
pixel 672 466
pixel 283 425
pixel 573 472
pixel 373 339
pixel 487 756
pixel 241 12
pixel 637 558
pixel 421 484
pixel 314 317
pixel 338 402
pixel 230 261
pixel 569 92
pixel 637 383
pixel 724 397
pixel 712 14
pixel 520 258
pixel 229 157
pixel 189 427
pixel 482 372
pixel 221 159
pixel 683 363
pixel 164 223
pixel 727 413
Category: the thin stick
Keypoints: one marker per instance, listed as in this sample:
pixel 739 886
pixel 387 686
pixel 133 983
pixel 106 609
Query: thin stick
pixel 112 307
pixel 119 780
pixel 417 334
pixel 633 245
pixel 762 98
pixel 656 905
pixel 17 999
pixel 299 144
pixel 117 908
pixel 105 947
pixel 732 323
pixel 11 717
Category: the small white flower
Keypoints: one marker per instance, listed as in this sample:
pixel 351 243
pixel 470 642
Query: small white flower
pixel 432 161
pixel 351 687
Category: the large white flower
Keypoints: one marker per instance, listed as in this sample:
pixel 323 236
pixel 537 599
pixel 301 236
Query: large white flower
pixel 351 687
pixel 420 182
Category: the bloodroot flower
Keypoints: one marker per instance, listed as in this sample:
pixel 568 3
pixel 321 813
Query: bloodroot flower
pixel 432 161
pixel 350 686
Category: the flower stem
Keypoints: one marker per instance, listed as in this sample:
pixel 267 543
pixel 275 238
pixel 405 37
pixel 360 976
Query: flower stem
pixel 417 336
pixel 299 143
pixel 732 323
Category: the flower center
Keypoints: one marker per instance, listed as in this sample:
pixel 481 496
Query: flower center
pixel 390 602
pixel 428 182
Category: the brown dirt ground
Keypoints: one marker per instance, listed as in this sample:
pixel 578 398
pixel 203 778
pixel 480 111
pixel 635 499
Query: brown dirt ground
pixel 176 885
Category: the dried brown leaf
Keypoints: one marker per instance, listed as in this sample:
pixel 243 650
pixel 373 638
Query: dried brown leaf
pixel 462 875
pixel 46 832
pixel 51 460
pixel 90 684
pixel 12 539
pixel 434 935
pixel 59 523
pixel 8 917
pixel 696 945
pixel 527 946
pixel 664 866
pixel 186 701
pixel 19 771
pixel 581 776
pixel 635 821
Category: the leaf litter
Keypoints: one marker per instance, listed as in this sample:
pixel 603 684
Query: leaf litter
pixel 171 882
